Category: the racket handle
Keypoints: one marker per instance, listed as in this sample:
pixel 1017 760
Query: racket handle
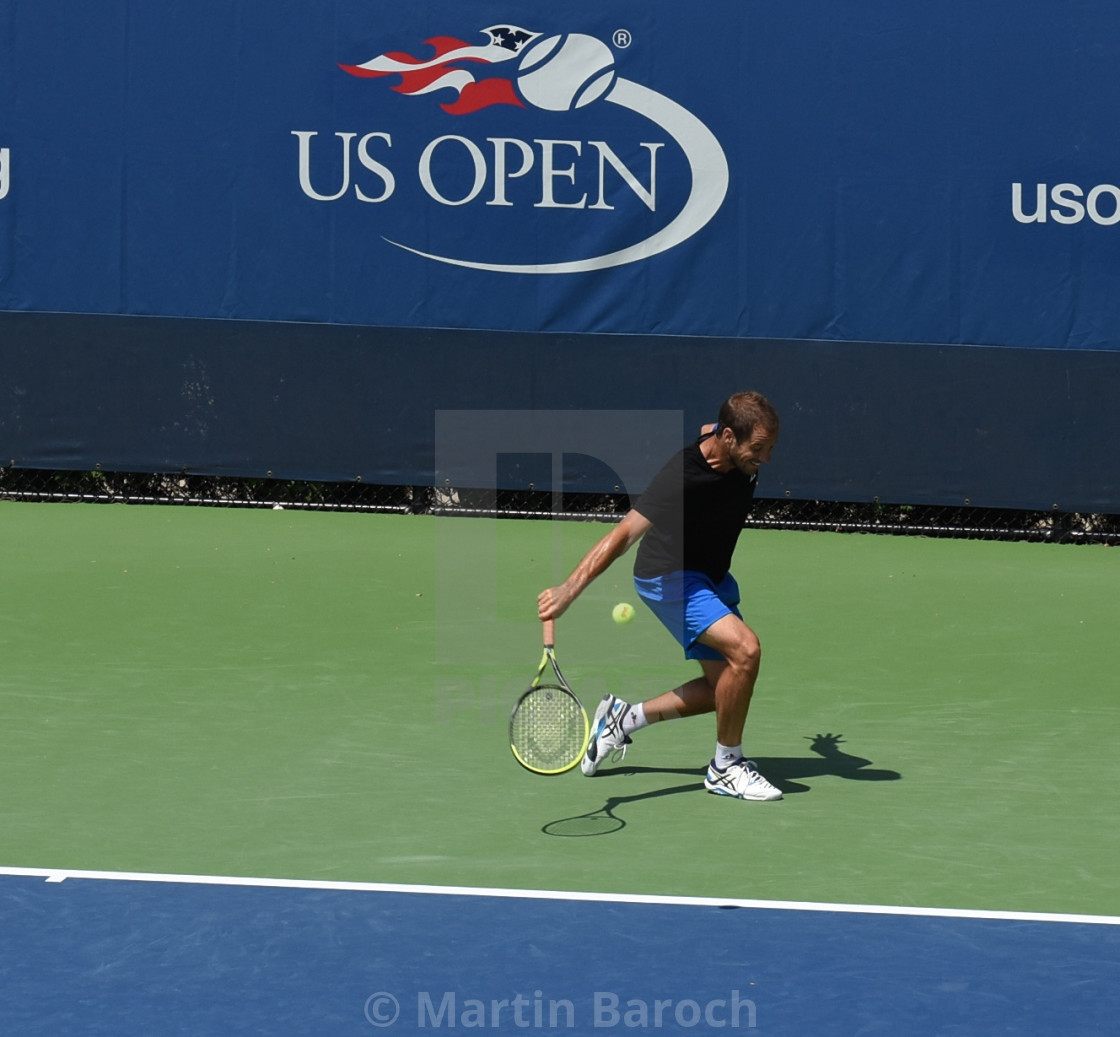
pixel 549 633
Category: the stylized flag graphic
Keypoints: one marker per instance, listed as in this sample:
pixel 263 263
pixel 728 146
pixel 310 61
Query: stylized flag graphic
pixel 444 70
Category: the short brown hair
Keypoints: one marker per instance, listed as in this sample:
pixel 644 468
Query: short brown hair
pixel 745 411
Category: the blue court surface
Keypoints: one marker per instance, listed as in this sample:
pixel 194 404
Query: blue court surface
pixel 137 955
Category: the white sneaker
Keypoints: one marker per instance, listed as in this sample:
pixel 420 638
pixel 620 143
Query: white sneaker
pixel 606 734
pixel 740 780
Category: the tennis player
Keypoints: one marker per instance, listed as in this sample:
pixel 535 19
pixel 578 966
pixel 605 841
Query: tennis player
pixel 688 521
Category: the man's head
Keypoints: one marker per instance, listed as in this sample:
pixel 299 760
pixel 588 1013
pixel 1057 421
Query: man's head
pixel 745 411
pixel 748 431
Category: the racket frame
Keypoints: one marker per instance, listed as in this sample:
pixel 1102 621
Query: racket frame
pixel 548 658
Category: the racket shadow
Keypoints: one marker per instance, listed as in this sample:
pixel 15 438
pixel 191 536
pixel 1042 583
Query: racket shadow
pixel 604 820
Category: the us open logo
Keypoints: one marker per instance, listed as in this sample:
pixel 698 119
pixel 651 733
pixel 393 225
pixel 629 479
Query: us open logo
pixel 563 77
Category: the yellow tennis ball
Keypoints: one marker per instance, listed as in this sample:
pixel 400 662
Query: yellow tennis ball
pixel 622 612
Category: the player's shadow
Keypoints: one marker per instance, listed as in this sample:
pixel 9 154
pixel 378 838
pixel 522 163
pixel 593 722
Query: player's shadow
pixel 782 771
pixel 830 761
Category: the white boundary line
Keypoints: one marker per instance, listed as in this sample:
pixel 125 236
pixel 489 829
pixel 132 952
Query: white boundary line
pixel 56 875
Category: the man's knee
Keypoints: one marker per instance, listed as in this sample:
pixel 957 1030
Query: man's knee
pixel 745 654
pixel 736 642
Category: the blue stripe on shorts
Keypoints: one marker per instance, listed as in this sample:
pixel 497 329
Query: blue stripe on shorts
pixel 687 603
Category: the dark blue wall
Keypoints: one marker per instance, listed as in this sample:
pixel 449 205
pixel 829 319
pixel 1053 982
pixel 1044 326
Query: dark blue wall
pixel 996 427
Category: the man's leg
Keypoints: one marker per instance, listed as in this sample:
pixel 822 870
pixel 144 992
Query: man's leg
pixel 615 720
pixel 732 678
pixel 728 675
pixel 704 618
pixel 726 687
pixel 734 681
pixel 696 697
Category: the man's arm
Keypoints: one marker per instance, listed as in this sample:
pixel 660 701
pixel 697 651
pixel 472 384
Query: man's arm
pixel 553 602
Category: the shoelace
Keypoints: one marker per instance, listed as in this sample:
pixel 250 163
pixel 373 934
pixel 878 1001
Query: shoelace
pixel 613 730
pixel 749 766
pixel 753 777
pixel 619 754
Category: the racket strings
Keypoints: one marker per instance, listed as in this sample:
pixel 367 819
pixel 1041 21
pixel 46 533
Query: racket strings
pixel 549 728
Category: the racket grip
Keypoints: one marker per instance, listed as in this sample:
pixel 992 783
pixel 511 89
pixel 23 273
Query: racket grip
pixel 549 633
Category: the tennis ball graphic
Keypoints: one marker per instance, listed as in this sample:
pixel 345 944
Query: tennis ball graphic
pixel 560 73
pixel 622 612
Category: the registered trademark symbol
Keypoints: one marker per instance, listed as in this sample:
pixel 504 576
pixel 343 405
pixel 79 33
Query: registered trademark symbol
pixel 622 38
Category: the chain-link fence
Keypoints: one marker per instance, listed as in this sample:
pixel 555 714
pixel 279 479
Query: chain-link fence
pixel 875 517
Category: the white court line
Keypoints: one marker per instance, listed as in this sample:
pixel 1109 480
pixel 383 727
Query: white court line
pixel 57 875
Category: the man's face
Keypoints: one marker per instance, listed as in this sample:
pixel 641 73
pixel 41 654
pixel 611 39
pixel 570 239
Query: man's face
pixel 751 454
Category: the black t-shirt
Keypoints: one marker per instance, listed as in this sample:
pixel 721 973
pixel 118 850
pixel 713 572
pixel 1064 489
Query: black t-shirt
pixel 697 514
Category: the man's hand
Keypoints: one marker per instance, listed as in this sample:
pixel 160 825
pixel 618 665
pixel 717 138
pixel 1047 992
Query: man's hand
pixel 553 602
pixel 827 745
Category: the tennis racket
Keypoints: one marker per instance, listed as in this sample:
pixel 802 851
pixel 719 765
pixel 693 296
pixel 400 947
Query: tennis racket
pixel 548 729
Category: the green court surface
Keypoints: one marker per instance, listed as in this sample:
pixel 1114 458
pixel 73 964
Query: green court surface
pixel 324 696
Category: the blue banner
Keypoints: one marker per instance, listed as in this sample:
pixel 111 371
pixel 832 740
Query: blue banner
pixel 871 172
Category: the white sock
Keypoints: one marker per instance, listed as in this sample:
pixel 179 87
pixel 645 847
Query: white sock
pixel 727 755
pixel 634 719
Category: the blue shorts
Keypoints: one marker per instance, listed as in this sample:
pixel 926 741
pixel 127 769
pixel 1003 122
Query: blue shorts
pixel 687 603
